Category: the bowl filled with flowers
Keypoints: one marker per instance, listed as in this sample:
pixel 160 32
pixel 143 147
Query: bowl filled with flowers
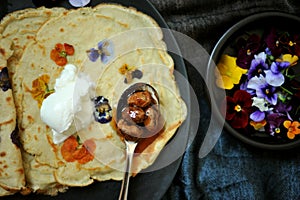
pixel 257 63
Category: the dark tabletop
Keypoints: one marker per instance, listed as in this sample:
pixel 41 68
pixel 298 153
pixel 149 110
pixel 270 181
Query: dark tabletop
pixel 232 170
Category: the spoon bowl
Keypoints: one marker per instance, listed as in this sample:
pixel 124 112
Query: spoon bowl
pixel 138 117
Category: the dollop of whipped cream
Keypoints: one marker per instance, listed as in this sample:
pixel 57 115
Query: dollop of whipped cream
pixel 70 108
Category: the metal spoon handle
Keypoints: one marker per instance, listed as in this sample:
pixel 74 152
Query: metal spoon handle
pixel 130 147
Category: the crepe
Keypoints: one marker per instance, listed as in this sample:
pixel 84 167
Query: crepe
pixel 12 177
pixel 21 27
pixel 33 74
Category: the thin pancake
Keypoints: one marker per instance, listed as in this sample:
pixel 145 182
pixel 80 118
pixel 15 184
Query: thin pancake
pixel 33 75
pixel 12 177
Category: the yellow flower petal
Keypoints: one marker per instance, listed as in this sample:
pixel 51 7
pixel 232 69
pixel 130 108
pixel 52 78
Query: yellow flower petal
pixel 228 72
pixel 223 69
pixel 292 59
pixel 236 75
pixel 224 82
pixel 228 60
pixel 39 89
pixel 243 71
pixel 287 123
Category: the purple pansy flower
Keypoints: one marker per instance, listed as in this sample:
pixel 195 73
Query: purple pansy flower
pixel 258 65
pixel 104 51
pixel 274 122
pixel 263 107
pixel 283 108
pixel 247 49
pixel 273 43
pixel 258 116
pixel 4 80
pixel 263 89
pixel 268 51
pixel 271 82
pixel 244 86
pixel 295 48
pixel 274 76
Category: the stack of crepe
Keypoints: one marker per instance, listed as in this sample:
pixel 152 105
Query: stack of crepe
pixel 27 38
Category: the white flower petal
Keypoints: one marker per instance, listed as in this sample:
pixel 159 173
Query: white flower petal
pixel 79 3
pixel 260 103
pixel 255 82
pixel 275 80
pixel 261 55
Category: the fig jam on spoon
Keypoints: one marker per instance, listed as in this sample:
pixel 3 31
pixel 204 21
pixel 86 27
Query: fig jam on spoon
pixel 138 117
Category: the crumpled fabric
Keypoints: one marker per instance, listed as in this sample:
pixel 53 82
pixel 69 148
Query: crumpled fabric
pixel 232 170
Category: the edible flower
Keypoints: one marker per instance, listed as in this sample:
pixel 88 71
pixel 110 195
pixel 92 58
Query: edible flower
pixel 292 127
pixel 263 89
pixel 270 80
pixel 60 52
pixel 292 59
pixel 260 103
pixel 238 108
pixel 258 116
pixel 102 112
pixel 274 76
pixel 40 89
pixel 291 42
pixel 283 42
pixel 72 150
pixel 258 65
pixel 79 3
pixel 4 80
pixel 228 73
pixel 130 73
pixel 275 121
pixel 259 126
pixel 247 49
pixel 283 108
pixel 273 43
pixel 104 51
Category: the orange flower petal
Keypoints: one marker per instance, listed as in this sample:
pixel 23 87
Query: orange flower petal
pixel 79 153
pixel 69 49
pixel 296 125
pixel 61 61
pixel 71 151
pixel 60 52
pixel 68 148
pixel 87 158
pixel 258 125
pixel 290 135
pixel 59 47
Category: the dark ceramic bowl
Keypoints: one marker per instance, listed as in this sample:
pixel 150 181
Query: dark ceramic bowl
pixel 257 23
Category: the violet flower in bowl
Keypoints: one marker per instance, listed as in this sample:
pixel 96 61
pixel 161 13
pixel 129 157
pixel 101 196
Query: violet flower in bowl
pixel 257 64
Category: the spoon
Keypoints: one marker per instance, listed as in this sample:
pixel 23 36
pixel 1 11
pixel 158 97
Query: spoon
pixel 130 147
pixel 135 111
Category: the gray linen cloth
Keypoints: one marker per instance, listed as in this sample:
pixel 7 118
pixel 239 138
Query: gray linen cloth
pixel 233 170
